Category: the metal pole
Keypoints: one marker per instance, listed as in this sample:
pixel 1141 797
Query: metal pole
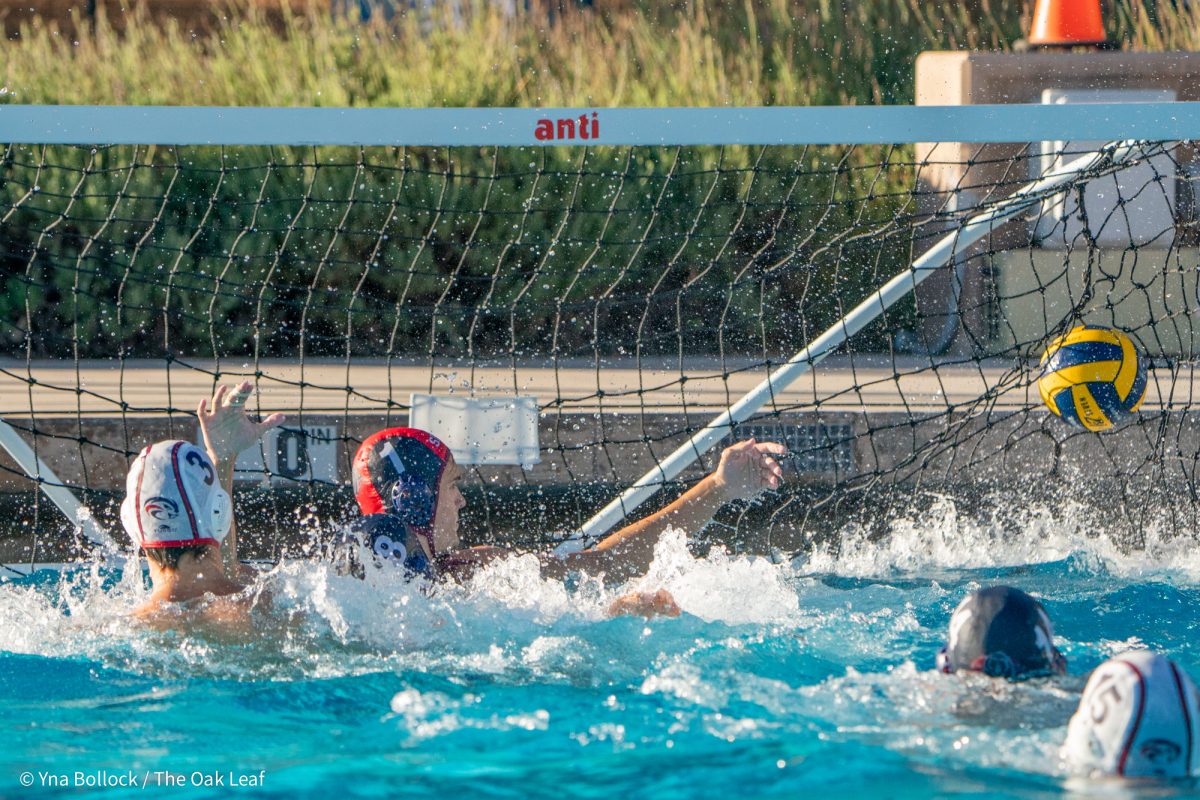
pixel 48 482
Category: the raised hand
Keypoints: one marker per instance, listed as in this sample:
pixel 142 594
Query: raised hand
pixel 747 468
pixel 227 429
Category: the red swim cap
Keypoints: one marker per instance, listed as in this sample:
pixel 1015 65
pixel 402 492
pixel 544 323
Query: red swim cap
pixel 399 471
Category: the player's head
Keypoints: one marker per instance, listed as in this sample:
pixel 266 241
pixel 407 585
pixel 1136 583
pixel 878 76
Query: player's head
pixel 174 505
pixel 386 541
pixel 412 474
pixel 1139 717
pixel 1004 633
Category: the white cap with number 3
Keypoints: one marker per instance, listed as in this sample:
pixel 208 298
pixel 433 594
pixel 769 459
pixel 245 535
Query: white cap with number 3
pixel 173 498
pixel 1139 717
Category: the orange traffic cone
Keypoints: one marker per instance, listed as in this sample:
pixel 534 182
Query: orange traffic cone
pixel 1066 23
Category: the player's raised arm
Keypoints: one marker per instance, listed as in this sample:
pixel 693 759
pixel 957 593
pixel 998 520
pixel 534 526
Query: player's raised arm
pixel 228 430
pixel 745 469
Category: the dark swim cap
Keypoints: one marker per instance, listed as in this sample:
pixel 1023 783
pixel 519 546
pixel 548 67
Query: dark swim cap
pixel 390 541
pixel 399 471
pixel 1004 633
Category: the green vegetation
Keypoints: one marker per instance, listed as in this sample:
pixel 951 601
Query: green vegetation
pixel 471 252
pixel 628 53
pixel 153 250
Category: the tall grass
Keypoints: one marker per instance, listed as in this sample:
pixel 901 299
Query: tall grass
pixel 699 53
pixel 694 53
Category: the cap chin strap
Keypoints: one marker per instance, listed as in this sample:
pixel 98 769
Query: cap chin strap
pixel 1058 664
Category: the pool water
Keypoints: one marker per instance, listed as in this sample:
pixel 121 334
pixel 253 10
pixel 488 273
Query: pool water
pixel 779 680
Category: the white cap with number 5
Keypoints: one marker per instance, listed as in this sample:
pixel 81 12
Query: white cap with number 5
pixel 1139 717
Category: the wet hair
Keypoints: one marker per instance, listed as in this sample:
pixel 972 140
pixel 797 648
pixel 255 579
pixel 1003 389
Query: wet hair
pixel 168 557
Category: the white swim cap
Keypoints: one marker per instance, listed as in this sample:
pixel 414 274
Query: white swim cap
pixel 1139 717
pixel 173 498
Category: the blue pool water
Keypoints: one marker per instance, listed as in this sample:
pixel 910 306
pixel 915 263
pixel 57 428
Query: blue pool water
pixel 780 680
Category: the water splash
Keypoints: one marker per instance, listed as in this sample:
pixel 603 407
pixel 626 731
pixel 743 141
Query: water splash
pixel 942 538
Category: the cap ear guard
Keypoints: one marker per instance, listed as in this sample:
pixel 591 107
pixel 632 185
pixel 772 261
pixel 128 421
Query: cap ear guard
pixel 221 513
pixel 943 660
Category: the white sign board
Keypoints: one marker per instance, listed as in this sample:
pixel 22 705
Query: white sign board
pixel 292 454
pixel 481 430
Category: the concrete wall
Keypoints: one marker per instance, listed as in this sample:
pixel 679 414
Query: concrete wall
pixel 996 170
pixel 1150 293
pixel 854 468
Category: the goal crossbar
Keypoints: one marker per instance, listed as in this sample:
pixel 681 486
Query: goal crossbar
pixel 782 125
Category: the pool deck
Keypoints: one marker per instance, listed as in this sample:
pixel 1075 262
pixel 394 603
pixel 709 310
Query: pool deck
pixel 841 383
pixel 97 389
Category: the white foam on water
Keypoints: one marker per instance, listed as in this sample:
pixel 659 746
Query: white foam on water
pixel 507 618
pixel 429 714
pixel 720 587
pixel 942 539
pixel 385 621
pixel 71 616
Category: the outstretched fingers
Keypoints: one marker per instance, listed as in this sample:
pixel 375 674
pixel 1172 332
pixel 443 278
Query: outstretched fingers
pixel 273 421
pixel 239 394
pixel 772 448
pixel 770 470
pixel 227 428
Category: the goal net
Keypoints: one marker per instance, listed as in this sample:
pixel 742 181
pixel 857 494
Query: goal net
pixel 579 293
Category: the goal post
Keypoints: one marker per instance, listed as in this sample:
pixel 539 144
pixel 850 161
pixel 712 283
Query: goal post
pixel 642 284
pixel 62 497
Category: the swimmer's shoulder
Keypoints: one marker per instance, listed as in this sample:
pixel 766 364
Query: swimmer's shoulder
pixel 230 609
pixel 222 619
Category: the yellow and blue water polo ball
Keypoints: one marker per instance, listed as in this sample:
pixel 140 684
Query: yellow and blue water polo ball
pixel 1092 377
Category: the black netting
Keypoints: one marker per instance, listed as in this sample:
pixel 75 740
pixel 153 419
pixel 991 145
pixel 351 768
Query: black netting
pixel 635 292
